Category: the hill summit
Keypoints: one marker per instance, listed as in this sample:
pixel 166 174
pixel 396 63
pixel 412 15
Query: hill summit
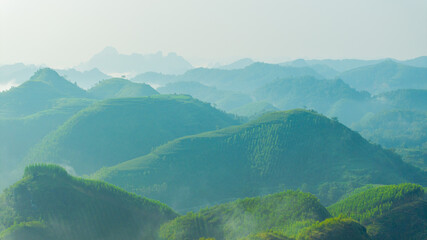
pixel 37 94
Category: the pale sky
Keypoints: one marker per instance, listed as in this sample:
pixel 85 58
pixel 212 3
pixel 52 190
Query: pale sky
pixel 64 33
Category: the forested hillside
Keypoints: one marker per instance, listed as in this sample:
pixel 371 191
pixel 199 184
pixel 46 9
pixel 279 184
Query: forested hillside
pixel 288 212
pixel 115 130
pixel 213 120
pixel 50 204
pixel 388 212
pixel 281 150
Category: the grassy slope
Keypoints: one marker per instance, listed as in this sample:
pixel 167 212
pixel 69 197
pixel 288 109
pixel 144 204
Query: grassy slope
pixel 116 130
pixel 266 155
pixel 52 203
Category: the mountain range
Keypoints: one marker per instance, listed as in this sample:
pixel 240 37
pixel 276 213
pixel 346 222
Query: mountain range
pixel 110 61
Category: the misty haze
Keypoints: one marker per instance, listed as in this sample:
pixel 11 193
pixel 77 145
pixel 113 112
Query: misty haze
pixel 213 120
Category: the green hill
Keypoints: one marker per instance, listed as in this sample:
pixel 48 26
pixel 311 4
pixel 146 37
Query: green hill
pixel 405 222
pixel 386 76
pixel 270 235
pixel 115 130
pixel 120 88
pixel 335 229
pixel 18 135
pixel 240 218
pixel 373 202
pixel 308 92
pixel 50 204
pixel 280 150
pixel 37 94
pixel 388 212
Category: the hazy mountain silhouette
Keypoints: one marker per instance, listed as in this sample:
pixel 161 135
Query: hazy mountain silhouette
pixel 386 76
pixel 239 64
pixel 110 60
pixel 85 79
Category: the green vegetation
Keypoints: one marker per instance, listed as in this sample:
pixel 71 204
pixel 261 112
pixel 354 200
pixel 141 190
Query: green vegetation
pixel 405 222
pixel 280 150
pixel 115 130
pixel 51 204
pixel 242 182
pixel 37 94
pixel 247 216
pixel 34 230
pixel 270 235
pixel 375 201
pixel 120 88
pixel 334 229
pixel 386 76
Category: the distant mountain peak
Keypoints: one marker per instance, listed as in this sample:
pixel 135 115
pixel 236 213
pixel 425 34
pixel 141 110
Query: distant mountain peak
pixel 239 64
pixel 110 61
pixel 109 50
pixel 46 75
